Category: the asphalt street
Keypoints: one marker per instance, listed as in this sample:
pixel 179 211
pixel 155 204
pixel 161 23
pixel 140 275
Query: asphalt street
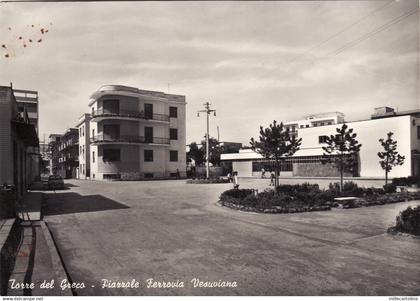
pixel 157 232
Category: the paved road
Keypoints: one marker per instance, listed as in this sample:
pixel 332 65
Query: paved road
pixel 171 231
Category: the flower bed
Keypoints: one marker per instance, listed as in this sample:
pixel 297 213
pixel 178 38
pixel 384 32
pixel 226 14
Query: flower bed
pixel 268 201
pixel 207 181
pixel 308 197
pixel 408 221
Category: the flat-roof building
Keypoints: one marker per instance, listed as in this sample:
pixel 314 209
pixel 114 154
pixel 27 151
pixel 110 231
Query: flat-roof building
pixel 136 134
pixel 306 162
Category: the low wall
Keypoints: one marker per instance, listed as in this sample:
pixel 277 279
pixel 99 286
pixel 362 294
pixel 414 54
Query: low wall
pixel 317 170
pixel 10 238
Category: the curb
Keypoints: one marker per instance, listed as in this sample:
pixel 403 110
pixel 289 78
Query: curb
pixel 58 266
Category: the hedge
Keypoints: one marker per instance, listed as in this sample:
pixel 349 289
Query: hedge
pixel 408 221
pixel 207 181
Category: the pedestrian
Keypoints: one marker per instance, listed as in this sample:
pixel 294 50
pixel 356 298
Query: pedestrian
pixel 177 173
pixel 235 180
pixel 229 177
pixel 262 173
pixel 272 179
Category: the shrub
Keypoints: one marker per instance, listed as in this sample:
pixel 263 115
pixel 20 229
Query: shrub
pixel 406 181
pixel 237 193
pixel 390 188
pixel 207 181
pixel 293 189
pixel 408 221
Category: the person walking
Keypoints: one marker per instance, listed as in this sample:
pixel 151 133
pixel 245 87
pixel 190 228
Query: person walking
pixel 272 179
pixel 235 180
pixel 262 173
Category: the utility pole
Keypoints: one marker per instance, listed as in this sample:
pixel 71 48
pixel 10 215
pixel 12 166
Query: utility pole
pixel 207 111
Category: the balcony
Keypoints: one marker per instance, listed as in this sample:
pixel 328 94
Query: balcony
pixel 106 139
pixel 104 114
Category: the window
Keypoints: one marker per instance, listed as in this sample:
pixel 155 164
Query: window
pixel 329 123
pixel 111 106
pixel 173 112
pixel 307 125
pixel 301 126
pixel 148 111
pixel 322 124
pixel 83 150
pixel 83 130
pixel 173 156
pixel 93 111
pixel 148 155
pixel 112 155
pixel 80 132
pixel 93 157
pixel 93 133
pixel 173 134
pixel 80 152
pixel 322 139
pixel 418 132
pixel 148 134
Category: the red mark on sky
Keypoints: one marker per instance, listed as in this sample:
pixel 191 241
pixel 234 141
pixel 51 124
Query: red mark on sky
pixel 10 28
pixel 32 25
pixel 4 46
pixel 40 40
pixel 30 40
pixel 6 55
pixel 24 45
pixel 42 30
pixel 20 38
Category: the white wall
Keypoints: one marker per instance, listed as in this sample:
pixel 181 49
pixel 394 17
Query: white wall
pixel 368 133
pixel 244 168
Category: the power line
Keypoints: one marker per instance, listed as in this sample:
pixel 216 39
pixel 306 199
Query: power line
pixel 372 33
pixel 341 31
pixel 338 33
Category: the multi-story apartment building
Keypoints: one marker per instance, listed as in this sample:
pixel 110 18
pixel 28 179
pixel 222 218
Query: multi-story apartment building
pixel 306 162
pixel 53 152
pixel 314 120
pixel 84 146
pixel 68 154
pixel 136 134
pixel 28 100
pixel 19 158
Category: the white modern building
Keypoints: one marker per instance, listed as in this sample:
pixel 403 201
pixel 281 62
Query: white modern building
pixel 84 146
pixel 134 134
pixel 306 162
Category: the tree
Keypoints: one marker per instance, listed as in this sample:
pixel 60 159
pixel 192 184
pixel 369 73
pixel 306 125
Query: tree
pixel 342 150
pixel 390 156
pixel 195 154
pixel 214 150
pixel 275 143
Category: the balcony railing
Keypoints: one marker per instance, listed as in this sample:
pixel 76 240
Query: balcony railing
pixel 130 114
pixel 128 139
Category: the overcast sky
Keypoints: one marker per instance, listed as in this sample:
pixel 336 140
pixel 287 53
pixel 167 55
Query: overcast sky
pixel 253 61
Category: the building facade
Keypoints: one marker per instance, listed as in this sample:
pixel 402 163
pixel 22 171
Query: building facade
pixel 28 101
pixel 306 162
pixel 53 152
pixel 136 134
pixel 83 127
pixel 19 145
pixel 68 154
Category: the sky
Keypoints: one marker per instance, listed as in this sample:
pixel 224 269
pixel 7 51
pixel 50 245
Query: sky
pixel 255 62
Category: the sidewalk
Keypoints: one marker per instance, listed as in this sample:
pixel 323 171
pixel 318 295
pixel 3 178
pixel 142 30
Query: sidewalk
pixel 37 260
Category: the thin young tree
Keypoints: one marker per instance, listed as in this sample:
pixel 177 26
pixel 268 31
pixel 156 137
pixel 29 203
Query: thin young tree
pixel 341 150
pixel 276 143
pixel 390 156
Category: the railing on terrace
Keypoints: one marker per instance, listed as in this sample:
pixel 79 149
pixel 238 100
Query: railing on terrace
pixel 130 114
pixel 128 139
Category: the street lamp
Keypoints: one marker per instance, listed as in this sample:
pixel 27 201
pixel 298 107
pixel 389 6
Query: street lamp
pixel 207 111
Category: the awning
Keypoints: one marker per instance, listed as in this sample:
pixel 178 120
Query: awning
pixel 26 132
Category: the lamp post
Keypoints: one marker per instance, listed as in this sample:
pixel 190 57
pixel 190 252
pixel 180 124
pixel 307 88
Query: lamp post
pixel 207 111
